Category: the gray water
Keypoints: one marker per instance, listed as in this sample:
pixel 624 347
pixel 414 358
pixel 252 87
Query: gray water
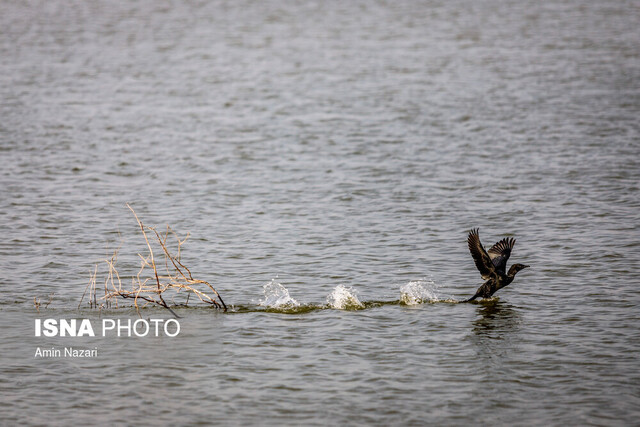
pixel 308 145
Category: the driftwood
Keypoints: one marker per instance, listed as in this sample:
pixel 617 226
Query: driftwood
pixel 151 287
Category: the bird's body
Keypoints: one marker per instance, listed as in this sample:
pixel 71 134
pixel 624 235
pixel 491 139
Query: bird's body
pixel 492 264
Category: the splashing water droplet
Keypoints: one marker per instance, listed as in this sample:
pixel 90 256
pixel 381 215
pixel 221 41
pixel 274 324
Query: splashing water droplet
pixel 418 292
pixel 344 298
pixel 277 296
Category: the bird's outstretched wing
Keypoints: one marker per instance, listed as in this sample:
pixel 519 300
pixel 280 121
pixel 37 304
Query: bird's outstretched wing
pixel 480 256
pixel 500 252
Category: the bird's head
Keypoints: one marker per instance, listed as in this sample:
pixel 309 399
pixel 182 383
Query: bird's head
pixel 515 268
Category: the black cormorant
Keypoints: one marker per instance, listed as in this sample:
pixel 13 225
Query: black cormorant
pixel 492 264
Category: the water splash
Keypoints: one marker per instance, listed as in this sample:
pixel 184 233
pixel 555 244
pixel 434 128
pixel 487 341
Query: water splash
pixel 419 292
pixel 344 298
pixel 277 296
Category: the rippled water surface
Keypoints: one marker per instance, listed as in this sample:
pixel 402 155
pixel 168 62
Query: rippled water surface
pixel 328 159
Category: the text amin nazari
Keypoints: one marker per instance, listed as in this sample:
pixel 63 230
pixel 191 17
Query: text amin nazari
pixel 66 352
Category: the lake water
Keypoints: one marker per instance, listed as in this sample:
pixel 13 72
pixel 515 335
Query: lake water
pixel 319 153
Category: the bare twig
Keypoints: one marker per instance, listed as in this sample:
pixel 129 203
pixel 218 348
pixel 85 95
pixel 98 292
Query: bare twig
pixel 37 303
pixel 178 277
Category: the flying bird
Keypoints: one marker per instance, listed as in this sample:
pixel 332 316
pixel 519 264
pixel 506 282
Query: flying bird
pixel 492 264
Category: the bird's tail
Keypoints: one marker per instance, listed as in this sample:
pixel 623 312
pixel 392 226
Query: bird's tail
pixel 471 299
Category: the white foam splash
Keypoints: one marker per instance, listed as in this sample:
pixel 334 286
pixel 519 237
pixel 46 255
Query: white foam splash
pixel 277 296
pixel 344 298
pixel 418 292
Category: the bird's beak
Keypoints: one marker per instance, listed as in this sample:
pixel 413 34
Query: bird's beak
pixel 526 266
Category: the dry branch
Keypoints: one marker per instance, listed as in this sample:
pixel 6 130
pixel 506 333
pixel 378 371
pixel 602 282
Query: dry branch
pixel 38 303
pixel 148 286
